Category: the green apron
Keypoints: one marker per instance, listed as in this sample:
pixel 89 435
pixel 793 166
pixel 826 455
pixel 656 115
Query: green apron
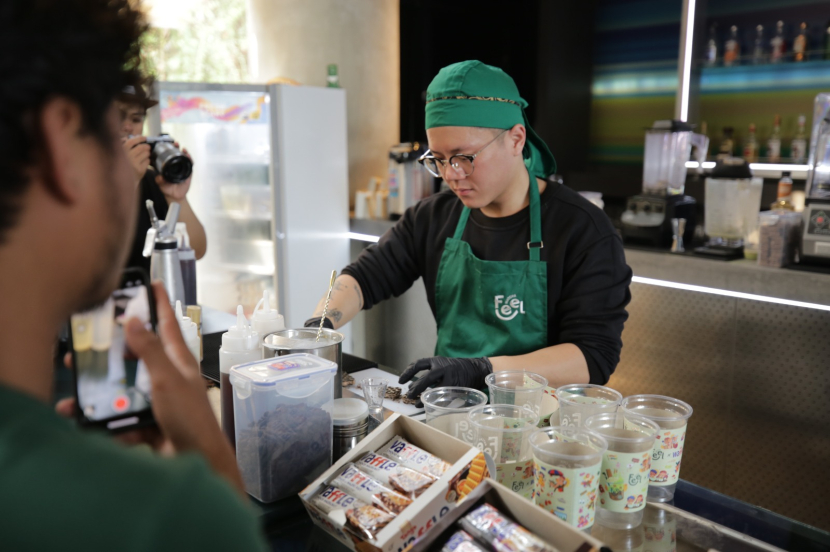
pixel 492 308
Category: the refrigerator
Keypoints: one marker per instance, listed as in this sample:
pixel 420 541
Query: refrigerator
pixel 270 186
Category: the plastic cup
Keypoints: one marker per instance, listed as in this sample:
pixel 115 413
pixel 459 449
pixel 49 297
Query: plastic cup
pixel 503 431
pixel 580 401
pixel 566 465
pixel 374 391
pixel 671 415
pixel 447 409
pixel 517 387
pixel 623 481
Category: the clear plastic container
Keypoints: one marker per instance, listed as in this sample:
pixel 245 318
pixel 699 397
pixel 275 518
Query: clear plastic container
pixel 447 409
pixel 672 415
pixel 580 401
pixel 624 477
pixel 517 387
pixel 778 237
pixel 567 463
pixel 503 431
pixel 282 411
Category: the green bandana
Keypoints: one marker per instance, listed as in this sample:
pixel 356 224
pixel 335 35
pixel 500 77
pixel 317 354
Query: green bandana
pixel 473 94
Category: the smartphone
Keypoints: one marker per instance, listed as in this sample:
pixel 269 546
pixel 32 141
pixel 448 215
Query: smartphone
pixel 112 386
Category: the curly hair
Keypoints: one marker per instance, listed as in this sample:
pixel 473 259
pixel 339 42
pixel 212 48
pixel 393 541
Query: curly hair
pixel 84 50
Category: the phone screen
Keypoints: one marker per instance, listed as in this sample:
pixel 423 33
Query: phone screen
pixel 112 383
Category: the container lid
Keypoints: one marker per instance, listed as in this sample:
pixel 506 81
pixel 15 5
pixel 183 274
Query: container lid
pixel 672 126
pixel 346 412
pixel 282 369
pixel 731 168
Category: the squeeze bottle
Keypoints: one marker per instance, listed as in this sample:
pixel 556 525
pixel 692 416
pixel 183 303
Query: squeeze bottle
pixel 266 321
pixel 240 344
pixel 190 332
pixel 187 258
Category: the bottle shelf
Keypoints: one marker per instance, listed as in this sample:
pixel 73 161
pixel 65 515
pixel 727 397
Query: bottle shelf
pixel 764 170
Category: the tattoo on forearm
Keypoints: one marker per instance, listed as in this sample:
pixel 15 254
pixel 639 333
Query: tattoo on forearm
pixel 359 297
pixel 335 315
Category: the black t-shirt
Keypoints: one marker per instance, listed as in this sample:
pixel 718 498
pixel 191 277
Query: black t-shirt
pixel 148 189
pixel 588 278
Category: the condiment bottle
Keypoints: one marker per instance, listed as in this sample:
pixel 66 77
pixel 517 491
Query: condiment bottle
pixel 785 192
pixel 187 258
pixel 266 320
pixel 194 312
pixel 190 332
pixel 240 344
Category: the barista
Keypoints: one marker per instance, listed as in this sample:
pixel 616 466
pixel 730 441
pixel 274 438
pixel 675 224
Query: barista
pixel 133 103
pixel 520 272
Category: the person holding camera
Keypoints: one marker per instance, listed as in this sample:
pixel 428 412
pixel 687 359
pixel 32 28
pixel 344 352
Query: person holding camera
pixel 67 217
pixel 133 104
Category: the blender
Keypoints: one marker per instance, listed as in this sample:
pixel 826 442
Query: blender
pixel 649 216
pixel 731 207
pixel 815 238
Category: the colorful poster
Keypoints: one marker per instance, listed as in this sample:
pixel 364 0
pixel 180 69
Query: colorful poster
pixel 214 106
pixel 623 482
pixel 568 493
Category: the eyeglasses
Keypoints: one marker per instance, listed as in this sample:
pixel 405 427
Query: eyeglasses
pixel 460 162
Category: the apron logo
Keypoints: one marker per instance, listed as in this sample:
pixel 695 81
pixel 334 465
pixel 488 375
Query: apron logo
pixel 507 309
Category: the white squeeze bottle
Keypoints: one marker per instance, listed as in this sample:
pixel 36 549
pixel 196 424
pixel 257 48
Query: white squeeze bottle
pixel 266 321
pixel 240 344
pixel 190 332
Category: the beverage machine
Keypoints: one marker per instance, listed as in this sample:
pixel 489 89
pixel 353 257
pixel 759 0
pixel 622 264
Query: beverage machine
pixel 662 214
pixel 815 237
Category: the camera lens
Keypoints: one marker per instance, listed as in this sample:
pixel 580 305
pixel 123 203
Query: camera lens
pixel 177 169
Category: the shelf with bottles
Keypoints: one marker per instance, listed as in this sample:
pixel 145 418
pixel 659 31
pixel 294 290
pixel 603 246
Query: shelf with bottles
pixel 781 44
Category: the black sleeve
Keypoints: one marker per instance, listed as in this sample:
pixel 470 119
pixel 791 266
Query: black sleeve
pixel 390 267
pixel 591 312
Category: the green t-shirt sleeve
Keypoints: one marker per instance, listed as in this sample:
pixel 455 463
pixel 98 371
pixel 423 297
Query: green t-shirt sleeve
pixel 204 513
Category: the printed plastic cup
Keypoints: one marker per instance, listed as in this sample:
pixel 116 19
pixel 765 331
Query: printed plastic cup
pixel 517 387
pixel 580 401
pixel 659 530
pixel 566 465
pixel 623 481
pixel 671 415
pixel 448 408
pixel 503 431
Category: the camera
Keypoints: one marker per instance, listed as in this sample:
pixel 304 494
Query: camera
pixel 168 160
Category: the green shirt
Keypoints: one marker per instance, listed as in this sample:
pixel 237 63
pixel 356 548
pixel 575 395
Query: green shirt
pixel 64 489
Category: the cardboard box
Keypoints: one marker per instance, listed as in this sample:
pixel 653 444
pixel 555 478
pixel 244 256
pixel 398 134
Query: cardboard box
pixel 425 511
pixel 535 519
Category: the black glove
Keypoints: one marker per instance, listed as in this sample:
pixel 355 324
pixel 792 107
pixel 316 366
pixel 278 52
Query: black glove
pixel 447 372
pixel 315 323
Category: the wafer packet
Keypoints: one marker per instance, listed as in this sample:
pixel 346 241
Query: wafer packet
pixel 370 490
pixel 365 519
pixel 409 455
pixel 504 535
pixel 406 481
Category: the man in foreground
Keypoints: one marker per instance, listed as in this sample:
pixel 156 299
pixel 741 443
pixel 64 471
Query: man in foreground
pixel 67 212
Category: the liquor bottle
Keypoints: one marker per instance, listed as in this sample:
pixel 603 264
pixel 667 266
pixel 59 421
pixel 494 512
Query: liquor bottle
pixel 712 47
pixel 732 48
pixel 751 146
pixel 784 196
pixel 798 148
pixel 333 79
pixel 774 142
pixel 779 45
pixel 800 44
pixel 704 130
pixel 758 56
pixel 727 145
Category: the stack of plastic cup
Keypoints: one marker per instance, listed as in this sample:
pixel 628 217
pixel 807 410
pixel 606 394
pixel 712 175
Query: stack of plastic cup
pixel 448 408
pixel 623 481
pixel 580 401
pixel 503 431
pixel 517 387
pixel 671 415
pixel 566 465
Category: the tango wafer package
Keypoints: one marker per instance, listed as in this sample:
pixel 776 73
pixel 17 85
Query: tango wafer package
pixel 406 481
pixel 462 542
pixel 370 490
pixel 409 455
pixel 504 535
pixel 365 519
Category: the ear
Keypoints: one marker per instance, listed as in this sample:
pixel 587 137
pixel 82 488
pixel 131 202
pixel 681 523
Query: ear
pixel 60 125
pixel 516 138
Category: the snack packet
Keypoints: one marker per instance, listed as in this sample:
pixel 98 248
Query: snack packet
pixel 370 490
pixel 343 507
pixel 462 542
pixel 504 535
pixel 412 457
pixel 406 481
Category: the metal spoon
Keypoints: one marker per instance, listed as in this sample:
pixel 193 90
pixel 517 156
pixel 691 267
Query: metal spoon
pixel 326 306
